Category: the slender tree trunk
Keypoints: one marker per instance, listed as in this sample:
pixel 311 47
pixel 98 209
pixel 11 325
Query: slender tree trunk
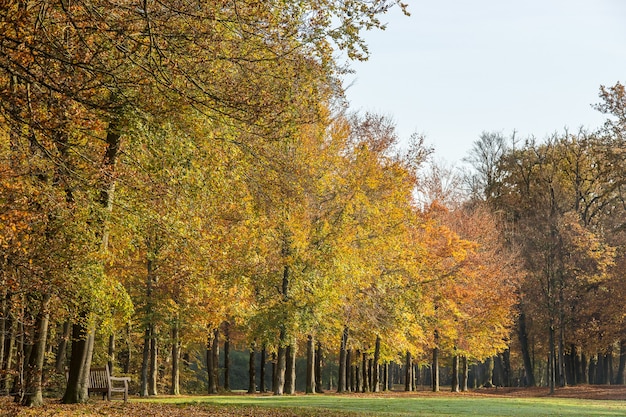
pixel 341 378
pixel 145 361
pixel 227 356
pixel 211 365
pixel 524 345
pixel 310 365
pixel 175 387
pixel 622 362
pixel 358 372
pixel 551 360
pixel 318 368
pixel 61 355
pixel 290 370
pixel 455 373
pixel 215 351
pixel 281 365
pixel 274 371
pixel 111 353
pixel 376 373
pixel 464 374
pixel 591 370
pixel 365 387
pixel 252 371
pixel 506 368
pixel 129 349
pixel 350 378
pixel 262 386
pixel 33 395
pixel 154 369
pixel 386 376
pixel 408 378
pixel 435 370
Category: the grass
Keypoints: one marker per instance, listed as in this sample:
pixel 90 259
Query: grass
pixel 445 405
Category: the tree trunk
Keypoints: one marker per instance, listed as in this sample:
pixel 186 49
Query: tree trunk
pixel 455 374
pixel 506 368
pixel 145 362
pixel 175 387
pixel 365 387
pixel 215 351
pixel 262 386
pixel 318 368
pixel 435 370
pixel 154 369
pixel 523 339
pixel 281 364
pixel 464 374
pixel 33 396
pixel 350 377
pixel 622 362
pixel 61 355
pixel 408 378
pixel 227 356
pixel 252 372
pixel 290 370
pixel 341 378
pixel 376 367
pixel 211 365
pixel 310 366
pixel 386 376
pixel 80 364
pixel 111 353
pixel 488 376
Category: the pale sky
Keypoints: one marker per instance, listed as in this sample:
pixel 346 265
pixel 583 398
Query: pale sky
pixel 456 68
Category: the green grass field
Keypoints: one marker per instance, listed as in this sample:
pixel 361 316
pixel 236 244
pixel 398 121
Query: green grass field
pixel 414 406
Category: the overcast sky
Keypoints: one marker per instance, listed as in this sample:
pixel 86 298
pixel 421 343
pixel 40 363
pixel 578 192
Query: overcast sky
pixel 455 68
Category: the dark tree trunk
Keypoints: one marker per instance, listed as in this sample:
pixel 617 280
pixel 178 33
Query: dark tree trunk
pixel 506 368
pixel 33 395
pixel 262 386
pixel 274 371
pixel 80 364
pixel 281 364
pixel 8 344
pixel 310 366
pixel 584 366
pixel 488 375
pixel 455 374
pixel 145 361
pixel 376 367
pixel 350 376
pixel 227 356
pixel 341 378
pixel 608 367
pixel 464 374
pixel 591 373
pixel 358 377
pixel 290 370
pixel 215 352
pixel 552 366
pixel 154 369
pixel 622 362
pixel 111 353
pixel 318 368
pixel 61 355
pixel 175 387
pixel 252 372
pixel 524 345
pixel 599 378
pixel 408 370
pixel 386 376
pixel 210 365
pixel 435 370
pixel 365 387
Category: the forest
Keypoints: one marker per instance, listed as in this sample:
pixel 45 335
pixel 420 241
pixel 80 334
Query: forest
pixel 183 186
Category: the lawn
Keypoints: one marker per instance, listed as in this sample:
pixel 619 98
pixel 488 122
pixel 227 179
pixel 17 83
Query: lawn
pixel 517 403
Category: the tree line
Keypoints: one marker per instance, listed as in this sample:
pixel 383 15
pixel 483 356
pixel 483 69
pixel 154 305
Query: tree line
pixel 179 177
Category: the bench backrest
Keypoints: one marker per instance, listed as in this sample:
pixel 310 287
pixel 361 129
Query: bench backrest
pixel 99 378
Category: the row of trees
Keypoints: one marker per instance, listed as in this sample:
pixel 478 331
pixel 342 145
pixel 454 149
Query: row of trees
pixel 563 201
pixel 166 168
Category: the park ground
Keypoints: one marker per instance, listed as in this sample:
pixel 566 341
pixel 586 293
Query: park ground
pixel 518 402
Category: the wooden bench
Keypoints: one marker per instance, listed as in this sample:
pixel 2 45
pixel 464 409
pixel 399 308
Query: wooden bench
pixel 100 380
